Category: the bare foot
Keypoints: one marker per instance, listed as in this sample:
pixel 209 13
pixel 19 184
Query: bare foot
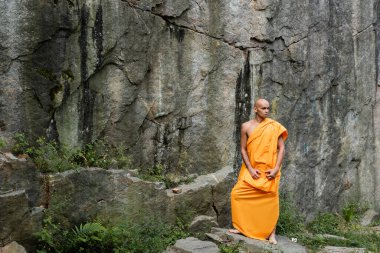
pixel 234 231
pixel 272 239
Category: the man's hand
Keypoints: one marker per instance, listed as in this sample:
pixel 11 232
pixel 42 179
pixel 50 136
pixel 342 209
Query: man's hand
pixel 254 173
pixel 271 174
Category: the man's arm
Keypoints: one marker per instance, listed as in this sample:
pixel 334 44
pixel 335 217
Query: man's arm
pixel 243 147
pixel 280 157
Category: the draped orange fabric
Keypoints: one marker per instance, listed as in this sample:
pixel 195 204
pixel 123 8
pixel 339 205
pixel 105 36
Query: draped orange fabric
pixel 255 202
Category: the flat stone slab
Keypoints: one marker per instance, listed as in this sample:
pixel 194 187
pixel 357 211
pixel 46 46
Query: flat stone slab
pixel 333 249
pixel 284 245
pixel 193 245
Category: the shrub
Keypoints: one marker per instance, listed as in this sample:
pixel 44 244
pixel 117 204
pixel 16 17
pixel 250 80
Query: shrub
pixel 149 235
pixel 51 157
pixel 352 211
pixel 290 221
pixel 325 223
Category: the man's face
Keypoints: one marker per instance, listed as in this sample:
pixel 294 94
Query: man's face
pixel 262 109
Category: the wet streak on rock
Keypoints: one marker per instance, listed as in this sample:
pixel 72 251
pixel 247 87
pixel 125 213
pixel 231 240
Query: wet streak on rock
pixel 87 100
pixel 243 107
pixel 97 35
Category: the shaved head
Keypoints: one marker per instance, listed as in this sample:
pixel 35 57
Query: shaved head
pixel 260 102
pixel 261 109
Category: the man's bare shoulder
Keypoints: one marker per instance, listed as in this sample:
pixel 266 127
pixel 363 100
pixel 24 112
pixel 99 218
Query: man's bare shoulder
pixel 247 124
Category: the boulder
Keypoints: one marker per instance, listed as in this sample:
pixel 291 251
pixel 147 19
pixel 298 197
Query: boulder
pixel 284 245
pixel 22 200
pixel 115 195
pixel 369 217
pixel 193 245
pixel 12 247
pixel 202 224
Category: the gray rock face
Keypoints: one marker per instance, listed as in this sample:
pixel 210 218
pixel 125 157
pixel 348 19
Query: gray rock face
pixel 21 200
pixel 173 80
pixel 193 245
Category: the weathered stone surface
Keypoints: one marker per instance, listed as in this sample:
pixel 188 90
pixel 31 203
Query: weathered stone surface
pixel 202 224
pixel 209 193
pixel 78 196
pixel 333 249
pixel 251 245
pixel 21 194
pixel 20 174
pixel 171 81
pixel 12 247
pixel 368 217
pixel 18 221
pixel 193 245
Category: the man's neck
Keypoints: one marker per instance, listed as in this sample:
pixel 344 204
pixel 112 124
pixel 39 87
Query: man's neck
pixel 259 119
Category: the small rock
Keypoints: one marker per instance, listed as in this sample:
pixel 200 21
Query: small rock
pixel 215 238
pixel 193 245
pixel 333 249
pixel 369 217
pixel 202 224
pixel 335 237
pixel 177 190
pixel 10 156
pixel 13 247
pixel 159 185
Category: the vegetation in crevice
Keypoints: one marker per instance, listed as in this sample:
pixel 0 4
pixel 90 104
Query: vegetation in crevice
pixel 49 156
pixel 3 143
pixel 159 173
pixel 230 248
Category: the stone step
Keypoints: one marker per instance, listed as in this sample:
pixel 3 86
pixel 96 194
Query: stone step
pixel 193 245
pixel 333 249
pixel 284 245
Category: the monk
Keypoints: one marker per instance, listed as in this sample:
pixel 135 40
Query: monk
pixel 255 198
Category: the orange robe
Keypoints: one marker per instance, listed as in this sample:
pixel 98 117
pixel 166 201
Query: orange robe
pixel 255 202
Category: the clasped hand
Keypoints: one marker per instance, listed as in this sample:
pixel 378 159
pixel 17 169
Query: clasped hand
pixel 270 174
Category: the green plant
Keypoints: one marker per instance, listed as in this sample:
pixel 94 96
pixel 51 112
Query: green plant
pixel 146 234
pixel 230 248
pixel 22 145
pixel 352 211
pixel 52 237
pixel 2 143
pixel 325 223
pixel 290 220
pixel 51 157
pixel 159 173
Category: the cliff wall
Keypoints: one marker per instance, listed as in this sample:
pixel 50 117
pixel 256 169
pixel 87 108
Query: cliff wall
pixel 173 80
